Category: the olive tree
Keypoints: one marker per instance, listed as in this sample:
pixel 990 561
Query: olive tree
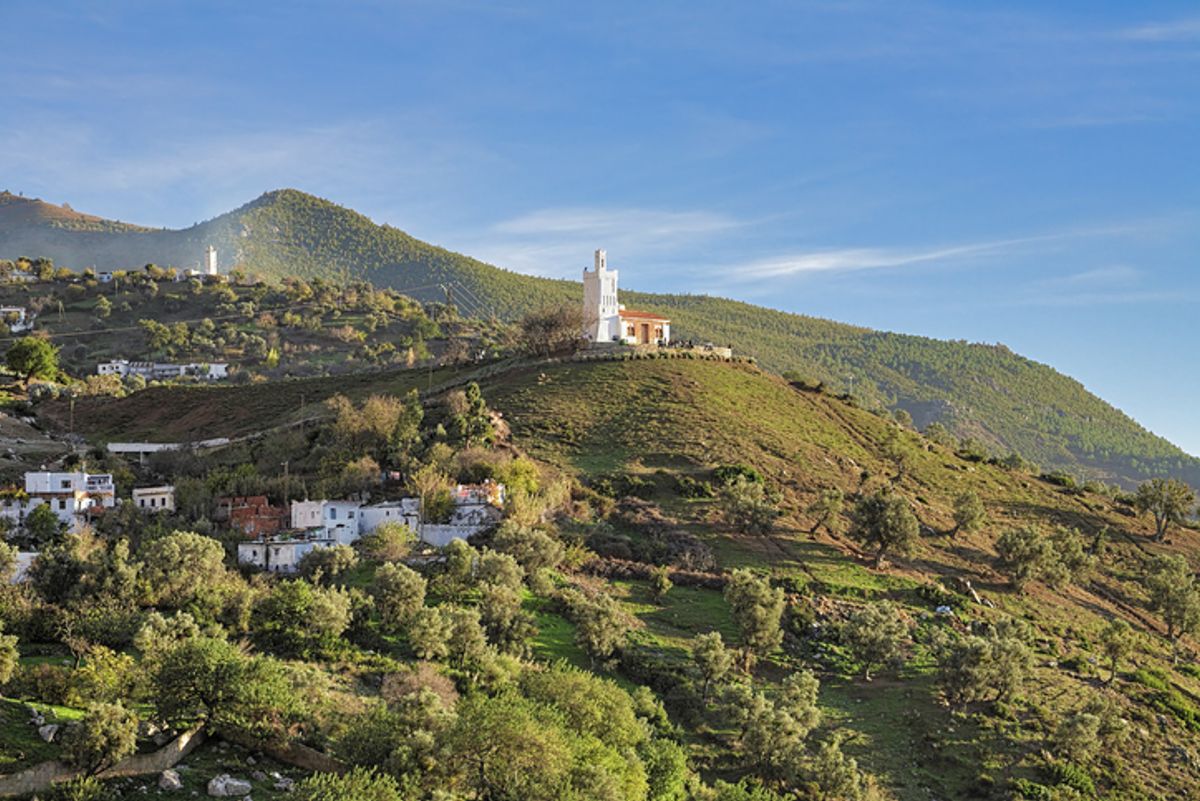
pixel 1168 500
pixel 106 734
pixel 748 506
pixel 712 659
pixel 826 510
pixel 399 593
pixel 757 609
pixel 969 512
pixel 885 522
pixel 875 636
pixel 1174 595
pixel 1116 640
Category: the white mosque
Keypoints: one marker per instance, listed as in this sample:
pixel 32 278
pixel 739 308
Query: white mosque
pixel 605 319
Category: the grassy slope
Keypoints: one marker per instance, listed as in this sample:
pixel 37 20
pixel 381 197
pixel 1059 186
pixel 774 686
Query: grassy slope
pixel 685 417
pixel 682 417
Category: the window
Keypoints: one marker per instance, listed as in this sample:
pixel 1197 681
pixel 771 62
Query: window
pixel 333 513
pixel 630 331
pixel 62 505
pixel 66 483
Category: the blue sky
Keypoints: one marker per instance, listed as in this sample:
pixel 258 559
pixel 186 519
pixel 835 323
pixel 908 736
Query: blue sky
pixel 1024 173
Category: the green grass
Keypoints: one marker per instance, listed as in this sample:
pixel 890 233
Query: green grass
pixel 20 745
pixel 556 637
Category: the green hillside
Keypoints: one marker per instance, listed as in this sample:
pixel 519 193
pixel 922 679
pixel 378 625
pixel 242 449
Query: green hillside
pixel 654 427
pixel 984 392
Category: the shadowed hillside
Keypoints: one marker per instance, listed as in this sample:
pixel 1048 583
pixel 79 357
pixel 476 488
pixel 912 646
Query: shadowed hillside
pixel 985 392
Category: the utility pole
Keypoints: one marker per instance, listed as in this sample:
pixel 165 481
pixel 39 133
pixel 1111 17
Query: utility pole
pixel 287 495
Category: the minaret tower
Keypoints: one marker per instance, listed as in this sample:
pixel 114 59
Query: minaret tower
pixel 601 322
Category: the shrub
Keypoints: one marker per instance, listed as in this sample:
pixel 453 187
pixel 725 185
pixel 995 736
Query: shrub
pixel 728 473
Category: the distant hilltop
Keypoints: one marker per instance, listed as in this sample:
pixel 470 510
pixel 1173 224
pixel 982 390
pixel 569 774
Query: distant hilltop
pixel 999 399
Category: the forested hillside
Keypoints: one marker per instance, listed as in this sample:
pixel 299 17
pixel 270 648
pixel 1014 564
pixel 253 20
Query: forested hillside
pixel 985 392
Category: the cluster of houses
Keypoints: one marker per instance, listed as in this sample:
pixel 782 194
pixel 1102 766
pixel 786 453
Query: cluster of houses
pixel 164 371
pixel 281 538
pixel 277 538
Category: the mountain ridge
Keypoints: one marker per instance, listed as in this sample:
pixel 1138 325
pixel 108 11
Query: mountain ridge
pixel 1005 401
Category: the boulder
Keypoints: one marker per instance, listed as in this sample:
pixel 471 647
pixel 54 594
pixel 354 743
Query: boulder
pixel 258 776
pixel 225 786
pixel 169 780
pixel 284 784
pixel 48 732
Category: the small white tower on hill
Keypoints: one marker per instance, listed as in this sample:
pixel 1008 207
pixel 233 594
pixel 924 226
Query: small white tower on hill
pixel 601 312
pixel 210 260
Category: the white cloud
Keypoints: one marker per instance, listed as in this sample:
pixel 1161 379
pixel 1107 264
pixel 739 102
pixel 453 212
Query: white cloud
pixel 1180 30
pixel 559 242
pixel 845 259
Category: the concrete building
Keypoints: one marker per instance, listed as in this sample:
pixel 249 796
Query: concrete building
pixel 69 495
pixel 332 520
pixel 279 554
pixel 605 319
pixel 165 371
pixel 324 524
pixel 210 260
pixel 155 499
pixel 406 511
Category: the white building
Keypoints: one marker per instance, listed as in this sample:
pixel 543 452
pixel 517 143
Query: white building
pixel 210 260
pixel 605 319
pixel 69 496
pixel 338 521
pixel 278 554
pixel 164 371
pixel 155 499
pixel 406 511
pixel 324 524
pixel 16 318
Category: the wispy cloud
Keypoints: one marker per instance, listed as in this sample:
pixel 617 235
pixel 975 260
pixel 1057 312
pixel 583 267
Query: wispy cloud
pixel 558 242
pixel 847 259
pixel 1120 275
pixel 1186 29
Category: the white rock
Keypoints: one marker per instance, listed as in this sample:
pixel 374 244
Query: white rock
pixel 48 732
pixel 226 786
pixel 169 780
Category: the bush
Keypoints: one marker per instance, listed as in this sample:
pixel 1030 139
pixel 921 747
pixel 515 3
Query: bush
pixel 106 735
pixel 85 788
pixel 357 785
pixel 688 487
pixel 728 473
pixel 623 485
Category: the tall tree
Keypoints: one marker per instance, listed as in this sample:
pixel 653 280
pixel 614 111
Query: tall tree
pixel 969 512
pixel 1169 500
pixel 875 635
pixel 884 521
pixel 1116 642
pixel 32 357
pixel 757 609
pixel 826 510
pixel 1174 595
pixel 712 659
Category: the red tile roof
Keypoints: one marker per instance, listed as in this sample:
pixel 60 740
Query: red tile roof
pixel 641 315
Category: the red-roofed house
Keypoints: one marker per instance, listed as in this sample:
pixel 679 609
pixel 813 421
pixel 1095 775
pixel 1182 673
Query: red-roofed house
pixel 606 320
